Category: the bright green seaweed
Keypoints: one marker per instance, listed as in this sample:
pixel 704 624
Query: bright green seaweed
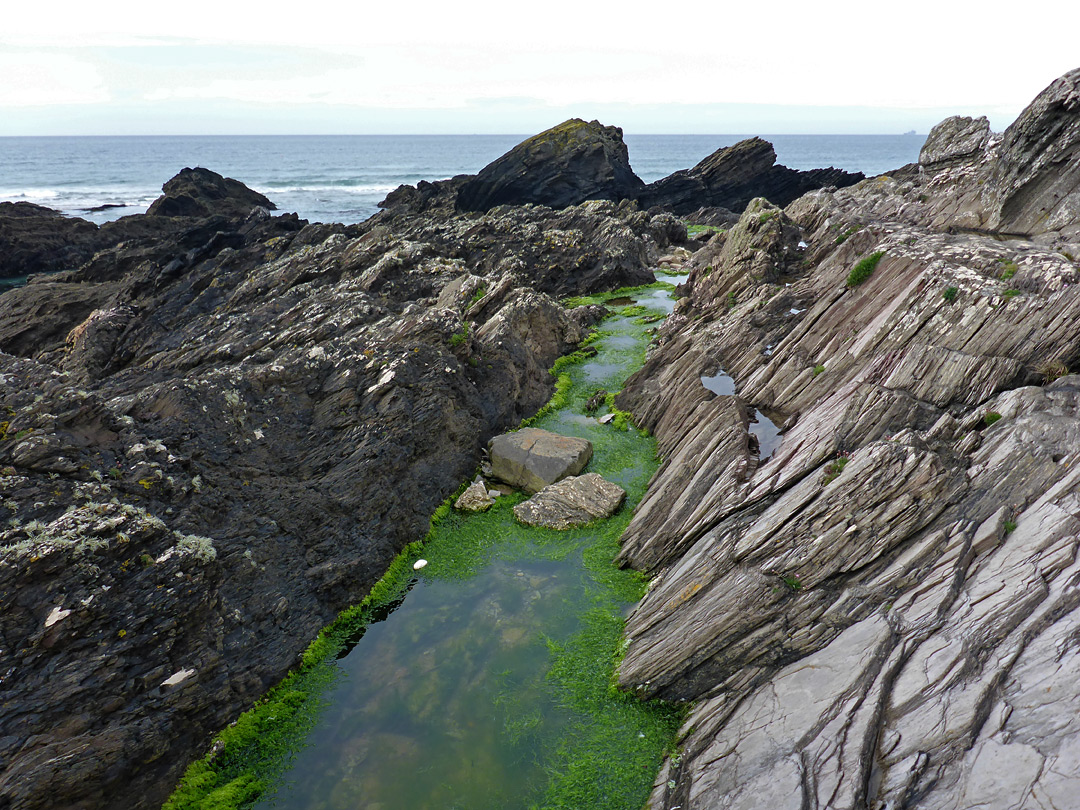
pixel 492 684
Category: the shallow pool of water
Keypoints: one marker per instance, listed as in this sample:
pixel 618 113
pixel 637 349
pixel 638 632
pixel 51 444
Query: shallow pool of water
pixel 768 434
pixel 489 685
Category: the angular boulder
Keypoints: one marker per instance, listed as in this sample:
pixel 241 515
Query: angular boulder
pixel 475 498
pixel 955 139
pixel 571 502
pixel 531 458
pixel 563 166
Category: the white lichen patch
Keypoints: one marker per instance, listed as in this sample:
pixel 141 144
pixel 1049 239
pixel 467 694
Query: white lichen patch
pixel 91 527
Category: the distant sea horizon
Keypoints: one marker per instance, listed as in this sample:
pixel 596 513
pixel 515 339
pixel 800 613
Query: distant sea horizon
pixel 342 178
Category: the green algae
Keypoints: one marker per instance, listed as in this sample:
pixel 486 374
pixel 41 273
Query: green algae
pixel 562 735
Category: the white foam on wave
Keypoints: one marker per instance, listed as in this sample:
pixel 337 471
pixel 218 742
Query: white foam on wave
pixel 270 191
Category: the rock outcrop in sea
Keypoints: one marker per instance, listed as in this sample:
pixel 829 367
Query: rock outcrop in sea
pixel 578 161
pixel 885 612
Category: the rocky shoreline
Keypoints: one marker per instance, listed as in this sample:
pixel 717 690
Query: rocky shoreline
pixel 221 425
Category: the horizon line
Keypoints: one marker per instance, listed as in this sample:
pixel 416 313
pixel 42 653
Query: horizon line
pixel 907 133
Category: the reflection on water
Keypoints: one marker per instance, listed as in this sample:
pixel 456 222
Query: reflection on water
pixel 720 384
pixel 768 434
pixel 444 704
pixel 761 426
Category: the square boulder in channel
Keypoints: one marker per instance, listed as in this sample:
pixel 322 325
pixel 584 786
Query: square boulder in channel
pixel 531 458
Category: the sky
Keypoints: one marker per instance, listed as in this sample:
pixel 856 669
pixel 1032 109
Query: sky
pixel 318 67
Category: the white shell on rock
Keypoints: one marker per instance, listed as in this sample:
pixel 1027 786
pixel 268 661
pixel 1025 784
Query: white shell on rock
pixel 419 564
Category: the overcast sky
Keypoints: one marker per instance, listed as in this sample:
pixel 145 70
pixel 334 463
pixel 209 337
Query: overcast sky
pixel 217 66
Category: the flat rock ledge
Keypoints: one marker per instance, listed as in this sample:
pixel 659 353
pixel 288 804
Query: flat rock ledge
pixel 476 498
pixel 531 458
pixel 571 502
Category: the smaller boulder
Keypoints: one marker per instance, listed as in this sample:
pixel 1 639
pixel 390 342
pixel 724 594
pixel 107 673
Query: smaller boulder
pixel 531 458
pixel 476 498
pixel 571 502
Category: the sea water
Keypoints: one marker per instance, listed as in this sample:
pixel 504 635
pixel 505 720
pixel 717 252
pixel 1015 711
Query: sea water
pixel 342 178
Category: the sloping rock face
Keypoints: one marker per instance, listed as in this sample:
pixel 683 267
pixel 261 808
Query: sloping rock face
pixel 732 176
pixel 883 613
pixel 531 458
pixel 573 501
pixel 218 431
pixel 565 165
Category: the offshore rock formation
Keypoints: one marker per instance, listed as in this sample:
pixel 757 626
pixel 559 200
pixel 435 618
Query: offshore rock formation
pixel 578 161
pixel 731 177
pixel 884 613
pixel 565 165
pixel 219 429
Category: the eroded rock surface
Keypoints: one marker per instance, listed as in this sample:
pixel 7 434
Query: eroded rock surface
pixel 573 501
pixel 217 432
pixel 883 613
pixel 531 458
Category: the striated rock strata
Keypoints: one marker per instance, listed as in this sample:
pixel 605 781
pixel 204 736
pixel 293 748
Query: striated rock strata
pixel 883 613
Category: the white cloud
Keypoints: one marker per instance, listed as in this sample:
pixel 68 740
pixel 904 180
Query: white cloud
pixel 413 54
pixel 42 80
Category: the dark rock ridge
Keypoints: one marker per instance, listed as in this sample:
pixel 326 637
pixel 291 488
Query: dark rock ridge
pixel 884 613
pixel 218 430
pixel 565 165
pixel 731 177
pixel 35 239
pixel 578 161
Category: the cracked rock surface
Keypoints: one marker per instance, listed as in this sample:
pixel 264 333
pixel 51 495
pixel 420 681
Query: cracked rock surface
pixel 884 613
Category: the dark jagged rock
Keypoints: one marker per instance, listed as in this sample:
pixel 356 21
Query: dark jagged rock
pixel 35 239
pixel 565 165
pixel 231 405
pixel 883 613
pixel 202 193
pixel 731 177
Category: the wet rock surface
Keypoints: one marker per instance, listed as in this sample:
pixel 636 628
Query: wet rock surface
pixel 531 458
pixel 217 432
pixel 573 501
pixel 883 613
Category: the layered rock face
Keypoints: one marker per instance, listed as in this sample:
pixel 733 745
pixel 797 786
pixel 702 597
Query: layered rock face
pixel 220 429
pixel 884 612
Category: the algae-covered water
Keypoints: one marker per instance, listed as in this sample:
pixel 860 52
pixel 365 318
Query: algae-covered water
pixel 489 684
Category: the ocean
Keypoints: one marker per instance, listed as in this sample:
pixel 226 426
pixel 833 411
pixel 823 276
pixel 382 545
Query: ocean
pixel 342 178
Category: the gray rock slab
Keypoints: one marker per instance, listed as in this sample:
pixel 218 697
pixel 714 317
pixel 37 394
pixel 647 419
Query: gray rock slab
pixel 571 502
pixel 532 458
